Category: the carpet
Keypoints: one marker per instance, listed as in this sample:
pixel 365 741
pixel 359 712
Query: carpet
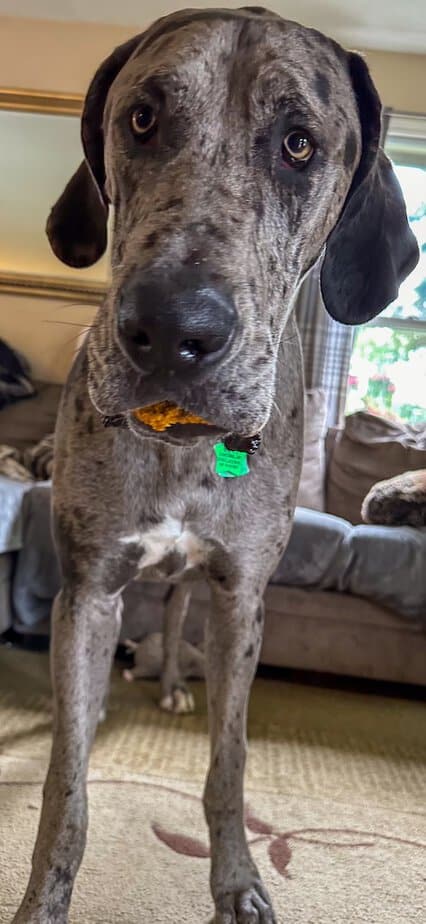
pixel 335 803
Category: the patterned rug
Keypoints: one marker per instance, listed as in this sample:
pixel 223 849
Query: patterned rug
pixel 335 803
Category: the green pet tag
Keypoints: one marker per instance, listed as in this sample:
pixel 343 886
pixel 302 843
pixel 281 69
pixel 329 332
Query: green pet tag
pixel 230 463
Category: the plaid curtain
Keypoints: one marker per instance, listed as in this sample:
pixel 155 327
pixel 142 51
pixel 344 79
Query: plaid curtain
pixel 326 345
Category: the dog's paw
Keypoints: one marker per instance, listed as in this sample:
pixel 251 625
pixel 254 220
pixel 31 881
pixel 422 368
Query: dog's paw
pixel 252 906
pixel 179 701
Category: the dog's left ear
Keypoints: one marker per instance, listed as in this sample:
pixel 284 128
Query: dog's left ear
pixel 77 224
pixel 371 249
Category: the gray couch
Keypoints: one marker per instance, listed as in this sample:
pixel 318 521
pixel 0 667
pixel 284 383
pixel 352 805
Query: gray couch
pixel 345 598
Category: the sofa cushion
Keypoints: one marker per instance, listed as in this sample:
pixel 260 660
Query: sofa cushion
pixel 28 421
pixel 382 563
pixel 11 498
pixel 386 563
pixel 367 450
pixel 312 479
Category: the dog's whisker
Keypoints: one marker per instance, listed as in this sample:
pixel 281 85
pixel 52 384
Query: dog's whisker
pixel 277 408
pixel 65 305
pixel 74 339
pixel 82 327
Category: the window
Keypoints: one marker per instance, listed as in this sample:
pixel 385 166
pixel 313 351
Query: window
pixel 388 366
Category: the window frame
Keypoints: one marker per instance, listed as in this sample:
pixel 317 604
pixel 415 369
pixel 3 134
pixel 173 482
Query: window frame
pixel 402 129
pixel 404 132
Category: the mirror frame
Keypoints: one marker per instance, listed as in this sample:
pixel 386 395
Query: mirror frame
pixel 32 284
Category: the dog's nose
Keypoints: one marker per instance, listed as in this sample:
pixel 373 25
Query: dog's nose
pixel 175 328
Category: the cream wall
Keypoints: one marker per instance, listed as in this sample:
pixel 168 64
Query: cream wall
pixel 45 331
pixel 62 57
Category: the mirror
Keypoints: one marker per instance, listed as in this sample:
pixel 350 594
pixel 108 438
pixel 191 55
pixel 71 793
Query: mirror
pixel 40 148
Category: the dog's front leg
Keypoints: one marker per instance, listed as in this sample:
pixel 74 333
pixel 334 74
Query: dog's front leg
pixel 234 634
pixel 84 635
pixel 175 696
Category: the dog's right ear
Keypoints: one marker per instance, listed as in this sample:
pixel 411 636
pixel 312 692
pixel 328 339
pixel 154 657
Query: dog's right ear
pixel 77 224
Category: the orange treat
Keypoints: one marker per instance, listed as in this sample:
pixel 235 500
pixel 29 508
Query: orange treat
pixel 164 414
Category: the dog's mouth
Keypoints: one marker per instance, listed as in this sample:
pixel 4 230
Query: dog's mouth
pixel 168 420
pixel 172 423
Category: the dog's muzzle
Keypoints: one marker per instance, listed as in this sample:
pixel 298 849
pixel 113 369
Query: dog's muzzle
pixel 175 329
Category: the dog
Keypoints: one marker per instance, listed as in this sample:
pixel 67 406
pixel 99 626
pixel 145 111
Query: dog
pixel 168 656
pixel 235 148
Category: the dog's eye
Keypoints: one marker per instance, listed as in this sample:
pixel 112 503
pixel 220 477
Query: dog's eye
pixel 143 122
pixel 297 147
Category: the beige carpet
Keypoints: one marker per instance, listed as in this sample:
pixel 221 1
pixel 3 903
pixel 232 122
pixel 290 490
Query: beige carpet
pixel 336 795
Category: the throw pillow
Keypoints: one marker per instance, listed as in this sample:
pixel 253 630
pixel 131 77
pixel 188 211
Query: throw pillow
pixel 370 449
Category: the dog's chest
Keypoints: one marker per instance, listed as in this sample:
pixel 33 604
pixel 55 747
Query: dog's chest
pixel 170 547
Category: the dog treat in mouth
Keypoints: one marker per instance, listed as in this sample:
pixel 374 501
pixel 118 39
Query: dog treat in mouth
pixel 165 414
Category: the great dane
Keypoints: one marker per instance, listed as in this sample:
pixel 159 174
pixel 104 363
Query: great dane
pixel 235 148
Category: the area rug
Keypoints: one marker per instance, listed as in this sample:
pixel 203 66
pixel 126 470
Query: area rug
pixel 335 803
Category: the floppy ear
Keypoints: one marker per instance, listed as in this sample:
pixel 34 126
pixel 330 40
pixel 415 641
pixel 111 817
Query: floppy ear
pixel 371 249
pixel 77 224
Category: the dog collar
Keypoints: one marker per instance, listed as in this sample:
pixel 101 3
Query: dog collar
pixel 231 455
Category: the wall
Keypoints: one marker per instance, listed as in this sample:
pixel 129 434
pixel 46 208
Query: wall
pixel 400 79
pixel 45 330
pixel 62 57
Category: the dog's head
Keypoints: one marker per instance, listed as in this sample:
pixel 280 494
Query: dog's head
pixel 233 146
